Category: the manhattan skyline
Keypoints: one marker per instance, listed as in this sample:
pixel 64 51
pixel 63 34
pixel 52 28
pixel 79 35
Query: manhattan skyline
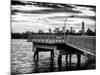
pixel 32 16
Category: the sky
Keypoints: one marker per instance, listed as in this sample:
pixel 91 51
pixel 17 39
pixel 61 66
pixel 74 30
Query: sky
pixel 32 15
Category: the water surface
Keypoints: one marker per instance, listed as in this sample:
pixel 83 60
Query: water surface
pixel 22 61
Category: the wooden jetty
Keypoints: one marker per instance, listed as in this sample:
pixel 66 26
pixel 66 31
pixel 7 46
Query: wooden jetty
pixel 72 44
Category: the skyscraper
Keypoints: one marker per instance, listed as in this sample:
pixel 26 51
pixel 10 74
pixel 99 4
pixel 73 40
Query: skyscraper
pixel 83 28
pixel 71 29
pixel 50 31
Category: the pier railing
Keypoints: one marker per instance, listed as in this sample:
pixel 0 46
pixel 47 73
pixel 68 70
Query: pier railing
pixel 84 43
pixel 46 38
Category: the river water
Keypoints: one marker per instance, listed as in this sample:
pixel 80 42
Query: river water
pixel 22 61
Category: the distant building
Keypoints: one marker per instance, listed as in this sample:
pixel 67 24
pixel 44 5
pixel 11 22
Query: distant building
pixel 80 31
pixel 83 28
pixel 63 29
pixel 71 29
pixel 50 30
pixel 56 30
pixel 67 31
pixel 40 31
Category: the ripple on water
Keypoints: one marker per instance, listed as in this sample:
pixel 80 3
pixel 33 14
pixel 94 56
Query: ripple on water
pixel 22 59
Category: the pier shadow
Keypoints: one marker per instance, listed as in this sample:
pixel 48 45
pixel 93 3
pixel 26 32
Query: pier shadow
pixel 51 65
pixel 90 64
pixel 39 69
pixel 59 62
pixel 36 66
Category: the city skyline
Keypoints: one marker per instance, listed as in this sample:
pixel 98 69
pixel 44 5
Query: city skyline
pixel 32 16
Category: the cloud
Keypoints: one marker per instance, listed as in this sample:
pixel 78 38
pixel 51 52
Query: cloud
pixel 88 6
pixel 46 11
pixel 17 2
pixel 42 4
pixel 85 17
pixel 32 16
pixel 41 7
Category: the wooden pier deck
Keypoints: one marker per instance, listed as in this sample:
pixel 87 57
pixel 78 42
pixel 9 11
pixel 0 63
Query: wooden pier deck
pixel 70 45
pixel 85 44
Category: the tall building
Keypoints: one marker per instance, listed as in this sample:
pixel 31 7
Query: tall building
pixel 83 28
pixel 63 29
pixel 71 29
pixel 50 31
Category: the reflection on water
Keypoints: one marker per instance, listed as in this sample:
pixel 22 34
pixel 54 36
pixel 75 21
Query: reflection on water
pixel 22 60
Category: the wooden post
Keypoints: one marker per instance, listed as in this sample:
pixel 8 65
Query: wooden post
pixel 78 60
pixel 36 66
pixel 52 62
pixel 37 55
pixel 34 55
pixel 66 59
pixel 59 61
pixel 52 53
pixel 70 56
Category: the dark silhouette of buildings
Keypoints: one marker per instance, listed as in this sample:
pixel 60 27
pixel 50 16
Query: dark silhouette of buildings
pixel 40 31
pixel 50 30
pixel 56 30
